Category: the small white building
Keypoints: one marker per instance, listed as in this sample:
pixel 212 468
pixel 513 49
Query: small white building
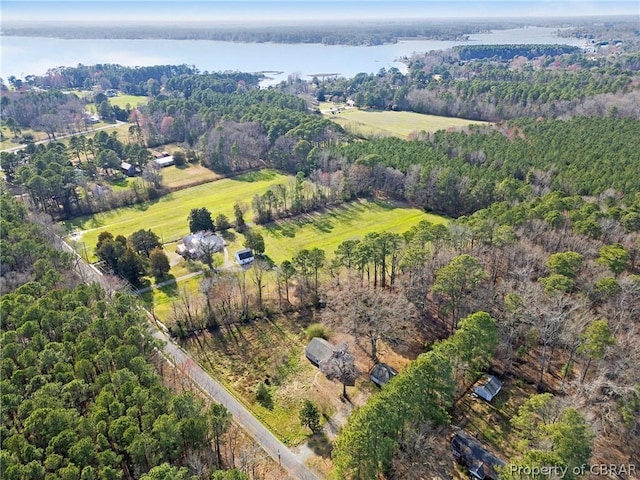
pixel 244 256
pixel 164 161
pixel 488 387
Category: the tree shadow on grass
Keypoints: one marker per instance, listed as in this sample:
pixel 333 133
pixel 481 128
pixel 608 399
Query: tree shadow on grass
pixel 385 204
pixel 256 176
pixel 320 444
pixel 144 206
pixel 147 298
pixel 228 235
pixel 279 230
pixel 323 225
pixel 170 290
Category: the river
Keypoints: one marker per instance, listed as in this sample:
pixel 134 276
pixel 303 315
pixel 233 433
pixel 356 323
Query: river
pixel 21 56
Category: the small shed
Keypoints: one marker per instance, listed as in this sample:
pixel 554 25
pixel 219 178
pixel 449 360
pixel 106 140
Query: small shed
pixel 381 374
pixel 488 387
pixel 244 256
pixel 470 452
pixel 318 350
pixel 128 169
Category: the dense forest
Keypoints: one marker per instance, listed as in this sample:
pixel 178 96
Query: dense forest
pixel 501 86
pixel 232 126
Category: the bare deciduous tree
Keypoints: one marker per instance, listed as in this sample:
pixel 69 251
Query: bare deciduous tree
pixel 341 366
pixel 373 314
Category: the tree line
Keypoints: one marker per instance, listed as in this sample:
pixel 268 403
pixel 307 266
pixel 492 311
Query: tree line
pixel 507 52
pixel 334 34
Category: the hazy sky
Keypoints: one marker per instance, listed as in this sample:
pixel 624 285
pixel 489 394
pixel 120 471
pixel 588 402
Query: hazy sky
pixel 274 11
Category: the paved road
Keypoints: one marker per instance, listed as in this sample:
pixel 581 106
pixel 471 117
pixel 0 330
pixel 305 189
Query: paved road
pixel 274 447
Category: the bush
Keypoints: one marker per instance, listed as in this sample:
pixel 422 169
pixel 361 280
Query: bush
pixel 310 416
pixel 263 396
pixel 317 330
pixel 222 222
pixel 179 158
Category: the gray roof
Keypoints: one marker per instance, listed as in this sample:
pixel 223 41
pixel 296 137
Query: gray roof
pixel 164 161
pixel 488 387
pixel 319 350
pixel 481 462
pixel 382 373
pixel 193 243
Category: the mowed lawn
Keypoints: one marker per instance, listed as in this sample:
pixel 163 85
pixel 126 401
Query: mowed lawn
pixel 167 216
pixel 328 229
pixel 368 123
pixel 132 100
pixel 174 177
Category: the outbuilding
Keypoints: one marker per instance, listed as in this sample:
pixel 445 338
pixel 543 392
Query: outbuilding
pixel 128 169
pixel 470 452
pixel 488 387
pixel 381 374
pixel 318 351
pixel 164 161
pixel 244 256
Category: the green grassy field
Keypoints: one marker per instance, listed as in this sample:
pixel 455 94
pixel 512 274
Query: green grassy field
pixel 328 229
pixel 132 100
pixel 167 216
pixel 389 123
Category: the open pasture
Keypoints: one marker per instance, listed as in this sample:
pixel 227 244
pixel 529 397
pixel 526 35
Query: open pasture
pixel 369 123
pixel 329 228
pixel 167 216
pixel 132 101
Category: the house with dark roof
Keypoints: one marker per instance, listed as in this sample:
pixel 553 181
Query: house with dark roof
pixel 128 169
pixel 318 350
pixel 488 387
pixel 481 462
pixel 381 374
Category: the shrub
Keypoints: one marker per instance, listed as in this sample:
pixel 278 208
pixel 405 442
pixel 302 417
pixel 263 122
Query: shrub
pixel 310 416
pixel 263 396
pixel 317 330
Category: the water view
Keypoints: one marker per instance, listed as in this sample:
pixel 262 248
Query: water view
pixel 35 55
